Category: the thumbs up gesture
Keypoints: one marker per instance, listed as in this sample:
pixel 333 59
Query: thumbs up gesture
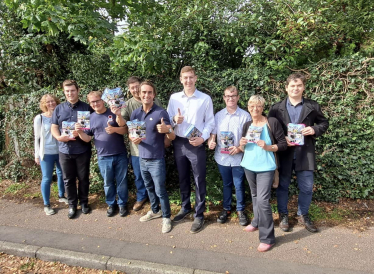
pixel 179 117
pixel 162 128
pixel 212 141
pixel 109 129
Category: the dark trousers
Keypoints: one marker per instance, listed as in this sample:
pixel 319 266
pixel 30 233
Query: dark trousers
pixel 76 166
pixel 188 157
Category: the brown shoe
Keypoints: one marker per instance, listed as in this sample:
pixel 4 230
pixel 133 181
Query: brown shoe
pixel 283 222
pixel 139 204
pixel 307 222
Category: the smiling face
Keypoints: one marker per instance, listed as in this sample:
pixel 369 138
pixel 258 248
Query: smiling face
pixel 134 89
pixel 188 80
pixel 50 103
pixel 295 89
pixel 71 94
pixel 231 98
pixel 97 103
pixel 147 94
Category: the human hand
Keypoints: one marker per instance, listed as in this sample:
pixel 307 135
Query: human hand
pixel 65 138
pixel 135 140
pixel 37 161
pixel 162 128
pixel 243 141
pixel 110 129
pixel 308 131
pixel 234 150
pixel 115 110
pixel 261 144
pixel 179 117
pixel 196 141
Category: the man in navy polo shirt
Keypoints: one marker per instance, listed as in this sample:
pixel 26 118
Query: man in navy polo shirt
pixel 111 152
pixel 74 153
pixel 151 153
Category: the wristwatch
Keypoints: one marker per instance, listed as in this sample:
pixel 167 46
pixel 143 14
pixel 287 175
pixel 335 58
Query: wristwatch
pixel 170 131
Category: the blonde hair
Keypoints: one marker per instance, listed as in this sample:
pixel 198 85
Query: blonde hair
pixel 94 93
pixel 231 89
pixel 43 105
pixel 256 99
pixel 187 69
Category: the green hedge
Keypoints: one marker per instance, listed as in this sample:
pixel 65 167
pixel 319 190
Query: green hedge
pixel 344 88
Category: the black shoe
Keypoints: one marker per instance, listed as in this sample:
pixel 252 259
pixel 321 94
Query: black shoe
pixel 283 222
pixel 243 219
pixel 111 210
pixel 222 217
pixel 123 211
pixel 197 225
pixel 85 208
pixel 72 212
pixel 181 215
pixel 307 222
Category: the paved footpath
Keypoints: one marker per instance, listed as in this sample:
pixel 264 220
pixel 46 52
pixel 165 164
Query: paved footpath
pixel 125 244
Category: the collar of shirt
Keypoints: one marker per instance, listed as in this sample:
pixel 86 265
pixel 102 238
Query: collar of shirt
pixel 195 94
pixel 152 108
pixel 235 113
pixel 289 103
pixel 72 105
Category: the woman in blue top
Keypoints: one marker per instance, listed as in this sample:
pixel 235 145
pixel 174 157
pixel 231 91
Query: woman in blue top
pixel 261 138
pixel 46 151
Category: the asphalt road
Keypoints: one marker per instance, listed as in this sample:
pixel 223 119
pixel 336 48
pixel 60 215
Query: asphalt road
pixel 217 248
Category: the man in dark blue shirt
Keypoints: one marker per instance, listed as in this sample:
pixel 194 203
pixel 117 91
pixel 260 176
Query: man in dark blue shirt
pixel 151 153
pixel 111 152
pixel 74 153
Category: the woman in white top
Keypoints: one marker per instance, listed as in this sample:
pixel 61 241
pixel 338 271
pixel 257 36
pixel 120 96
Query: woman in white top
pixel 46 151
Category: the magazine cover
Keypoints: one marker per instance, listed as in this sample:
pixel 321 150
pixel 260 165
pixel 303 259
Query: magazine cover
pixel 226 141
pixel 68 128
pixel 114 97
pixel 191 132
pixel 253 134
pixel 294 134
pixel 136 129
pixel 84 119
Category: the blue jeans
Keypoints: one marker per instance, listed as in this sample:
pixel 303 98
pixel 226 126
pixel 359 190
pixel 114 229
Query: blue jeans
pixel 305 180
pixel 114 168
pixel 141 191
pixel 154 174
pixel 232 176
pixel 47 165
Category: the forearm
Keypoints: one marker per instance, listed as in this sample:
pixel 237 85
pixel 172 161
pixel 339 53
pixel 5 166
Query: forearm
pixel 55 131
pixel 84 136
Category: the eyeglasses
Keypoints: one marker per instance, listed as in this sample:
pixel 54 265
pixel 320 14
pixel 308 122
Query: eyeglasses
pixel 95 102
pixel 230 96
pixel 253 107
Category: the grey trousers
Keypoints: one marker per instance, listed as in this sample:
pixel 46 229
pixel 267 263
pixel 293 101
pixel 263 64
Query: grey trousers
pixel 260 184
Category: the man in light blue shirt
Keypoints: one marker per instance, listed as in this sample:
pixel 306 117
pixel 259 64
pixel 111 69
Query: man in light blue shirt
pixel 228 130
pixel 191 107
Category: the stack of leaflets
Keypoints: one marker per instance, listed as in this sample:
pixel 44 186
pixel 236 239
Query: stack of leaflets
pixel 136 129
pixel 84 119
pixel 253 134
pixel 114 97
pixel 294 134
pixel 192 131
pixel 68 128
pixel 226 140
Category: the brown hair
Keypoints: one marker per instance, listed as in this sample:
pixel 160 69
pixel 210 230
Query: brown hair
pixel 295 76
pixel 231 89
pixel 94 93
pixel 70 83
pixel 43 100
pixel 133 79
pixel 148 83
pixel 187 69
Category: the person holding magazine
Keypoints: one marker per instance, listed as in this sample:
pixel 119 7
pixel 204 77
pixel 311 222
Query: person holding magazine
pixel 261 137
pixel 46 151
pixel 228 130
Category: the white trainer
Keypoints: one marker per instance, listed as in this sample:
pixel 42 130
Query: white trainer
pixel 150 215
pixel 166 225
pixel 48 210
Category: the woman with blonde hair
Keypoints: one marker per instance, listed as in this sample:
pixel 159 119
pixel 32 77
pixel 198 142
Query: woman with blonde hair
pixel 46 151
pixel 260 139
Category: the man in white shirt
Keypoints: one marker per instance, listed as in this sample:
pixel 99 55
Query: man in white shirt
pixel 228 129
pixel 186 108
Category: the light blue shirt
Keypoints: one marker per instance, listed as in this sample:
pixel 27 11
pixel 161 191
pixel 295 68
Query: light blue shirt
pixel 224 121
pixel 50 143
pixel 257 159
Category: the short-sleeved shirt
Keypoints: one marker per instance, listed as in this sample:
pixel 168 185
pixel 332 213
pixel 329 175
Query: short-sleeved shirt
pixel 232 122
pixel 126 112
pixel 153 145
pixel 68 112
pixel 106 144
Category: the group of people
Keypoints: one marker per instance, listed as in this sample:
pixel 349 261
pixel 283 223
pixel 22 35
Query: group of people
pixel 258 161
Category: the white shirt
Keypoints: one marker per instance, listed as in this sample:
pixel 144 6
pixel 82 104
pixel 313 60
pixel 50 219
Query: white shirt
pixel 225 121
pixel 197 110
